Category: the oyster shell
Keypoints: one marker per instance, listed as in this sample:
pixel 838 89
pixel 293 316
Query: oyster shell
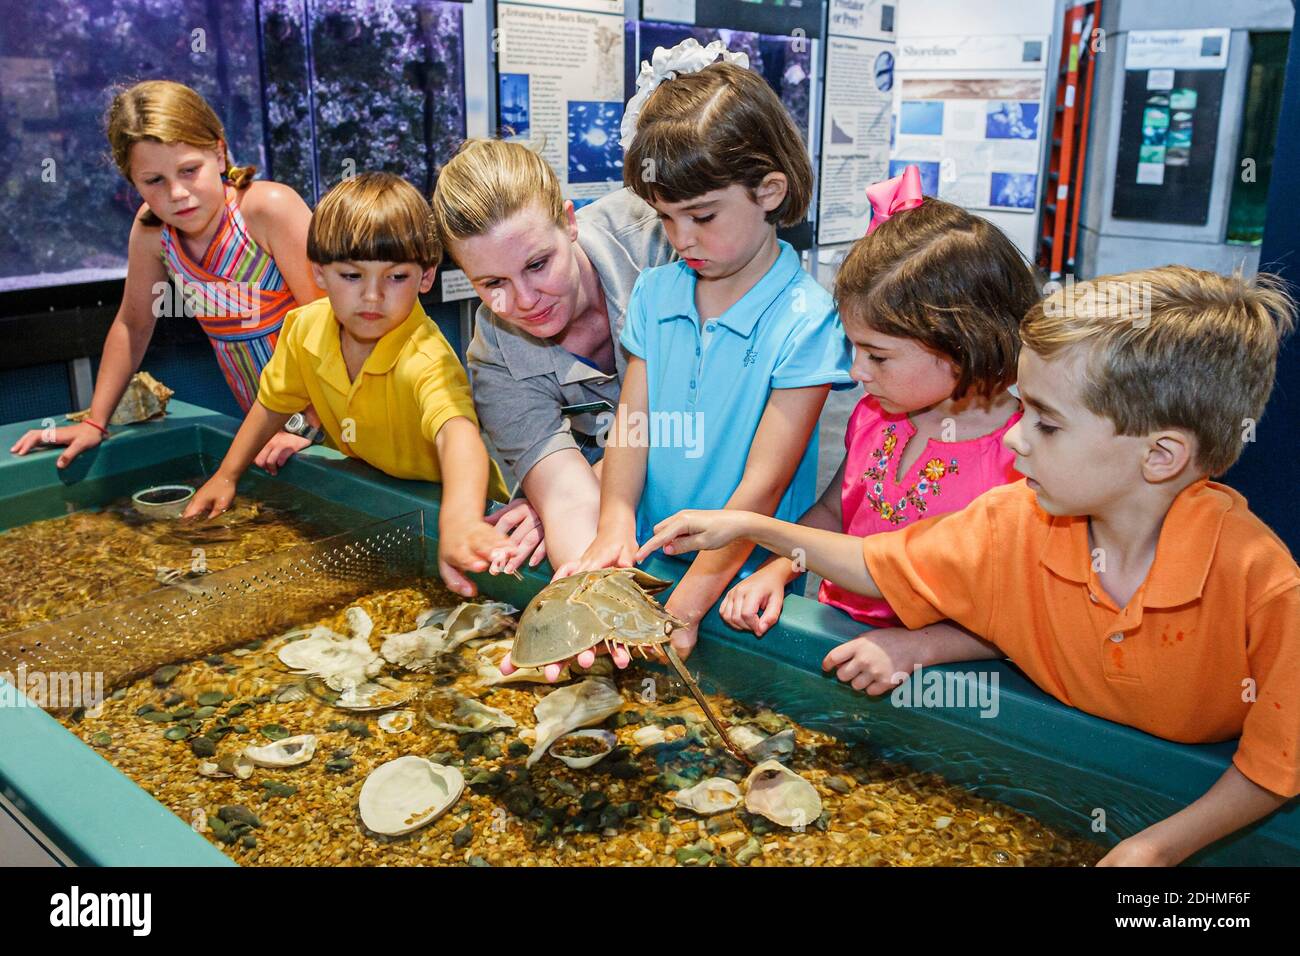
pixel 775 791
pixel 648 736
pixel 470 620
pixel 359 623
pixel 760 746
pixel 374 695
pixel 568 708
pixel 415 650
pixel 407 793
pixel 472 717
pixel 178 578
pixel 445 629
pixel 145 397
pixel 291 692
pixel 709 796
pixel 489 667
pixel 606 739
pixel 289 752
pixel 342 662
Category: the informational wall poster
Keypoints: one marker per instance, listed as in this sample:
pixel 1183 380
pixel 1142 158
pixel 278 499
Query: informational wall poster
pixel 970 115
pixel 560 69
pixel 1173 87
pixel 793 17
pixel 976 141
pixel 856 127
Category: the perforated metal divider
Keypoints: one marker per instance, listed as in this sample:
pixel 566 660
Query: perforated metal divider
pixel 224 609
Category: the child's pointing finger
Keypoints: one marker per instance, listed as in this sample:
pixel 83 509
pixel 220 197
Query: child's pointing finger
pixel 670 530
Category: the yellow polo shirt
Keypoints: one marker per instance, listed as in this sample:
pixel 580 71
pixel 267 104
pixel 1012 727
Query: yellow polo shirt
pixel 409 387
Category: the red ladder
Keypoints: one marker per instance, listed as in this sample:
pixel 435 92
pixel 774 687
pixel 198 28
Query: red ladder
pixel 1059 228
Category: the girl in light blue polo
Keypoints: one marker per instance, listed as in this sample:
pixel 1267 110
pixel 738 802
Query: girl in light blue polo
pixel 734 348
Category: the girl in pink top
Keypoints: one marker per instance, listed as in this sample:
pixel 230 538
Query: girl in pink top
pixel 877 494
pixel 932 300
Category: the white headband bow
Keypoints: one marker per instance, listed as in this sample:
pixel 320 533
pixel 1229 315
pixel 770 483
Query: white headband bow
pixel 686 57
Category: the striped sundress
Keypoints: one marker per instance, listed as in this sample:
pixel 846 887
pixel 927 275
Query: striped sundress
pixel 238 296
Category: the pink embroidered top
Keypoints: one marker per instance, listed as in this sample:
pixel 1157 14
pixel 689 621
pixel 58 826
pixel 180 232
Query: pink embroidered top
pixel 874 497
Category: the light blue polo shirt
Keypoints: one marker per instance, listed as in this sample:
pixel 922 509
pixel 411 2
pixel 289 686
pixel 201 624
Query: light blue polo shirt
pixel 706 403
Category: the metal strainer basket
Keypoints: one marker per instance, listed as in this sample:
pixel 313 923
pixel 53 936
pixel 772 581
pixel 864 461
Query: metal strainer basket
pixel 133 637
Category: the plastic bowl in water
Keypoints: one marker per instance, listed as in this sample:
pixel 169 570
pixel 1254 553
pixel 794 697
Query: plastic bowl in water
pixel 162 501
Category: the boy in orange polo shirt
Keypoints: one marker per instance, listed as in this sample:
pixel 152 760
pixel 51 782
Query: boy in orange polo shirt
pixel 1116 575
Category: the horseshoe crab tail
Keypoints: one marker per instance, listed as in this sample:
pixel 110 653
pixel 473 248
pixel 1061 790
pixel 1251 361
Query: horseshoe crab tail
pixel 718 725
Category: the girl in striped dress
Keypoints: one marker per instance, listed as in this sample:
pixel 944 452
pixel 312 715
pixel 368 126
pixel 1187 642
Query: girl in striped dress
pixel 208 243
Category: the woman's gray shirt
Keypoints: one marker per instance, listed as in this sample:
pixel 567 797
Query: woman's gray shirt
pixel 521 382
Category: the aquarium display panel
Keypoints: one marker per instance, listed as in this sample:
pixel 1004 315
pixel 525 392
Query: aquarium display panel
pixel 784 61
pixel 65 211
pixel 310 91
pixel 378 85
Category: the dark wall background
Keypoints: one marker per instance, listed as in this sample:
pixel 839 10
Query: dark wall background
pixel 1264 474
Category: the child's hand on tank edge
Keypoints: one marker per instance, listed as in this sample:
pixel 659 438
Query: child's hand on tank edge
pixel 755 603
pixel 77 438
pixel 277 451
pixel 875 662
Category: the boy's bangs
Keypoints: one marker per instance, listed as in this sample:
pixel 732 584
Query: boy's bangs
pixel 375 219
pixel 377 243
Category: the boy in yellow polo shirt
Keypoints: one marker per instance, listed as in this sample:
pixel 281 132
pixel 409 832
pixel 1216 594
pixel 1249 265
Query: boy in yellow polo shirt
pixel 1116 575
pixel 387 386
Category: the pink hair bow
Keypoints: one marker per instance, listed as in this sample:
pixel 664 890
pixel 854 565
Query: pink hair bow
pixel 894 195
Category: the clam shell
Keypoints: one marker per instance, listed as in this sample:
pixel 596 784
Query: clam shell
pixel 568 708
pixel 398 722
pixel 774 791
pixel 407 793
pixel 582 763
pixel 289 752
pixel 709 796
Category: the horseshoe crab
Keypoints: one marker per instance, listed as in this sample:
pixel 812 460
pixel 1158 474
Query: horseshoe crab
pixel 609 606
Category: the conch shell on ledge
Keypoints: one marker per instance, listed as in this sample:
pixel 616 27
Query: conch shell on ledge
pixel 145 398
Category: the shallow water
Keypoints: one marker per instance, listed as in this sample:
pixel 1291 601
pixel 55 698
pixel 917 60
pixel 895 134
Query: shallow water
pixel 619 812
pixel 92 557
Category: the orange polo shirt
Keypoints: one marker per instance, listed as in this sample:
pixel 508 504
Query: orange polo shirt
pixel 1207 649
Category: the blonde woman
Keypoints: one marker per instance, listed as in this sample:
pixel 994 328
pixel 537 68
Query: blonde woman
pixel 229 251
pixel 545 361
